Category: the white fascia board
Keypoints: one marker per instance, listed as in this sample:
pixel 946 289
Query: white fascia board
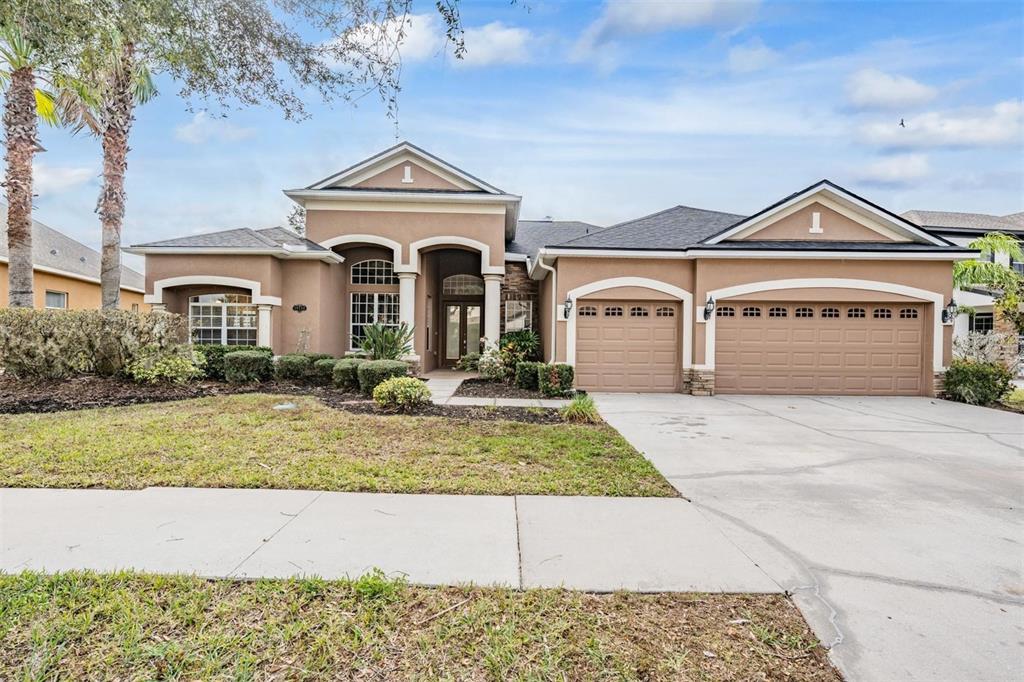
pixel 72 275
pixel 426 197
pixel 834 255
pixel 285 254
pixel 516 257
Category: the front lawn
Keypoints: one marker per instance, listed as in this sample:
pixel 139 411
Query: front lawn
pixel 1015 400
pixel 241 441
pixel 133 626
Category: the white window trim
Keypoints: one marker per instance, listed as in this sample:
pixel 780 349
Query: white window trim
pixel 352 273
pixel 224 306
pixel 529 313
pixel 67 298
pixel 352 308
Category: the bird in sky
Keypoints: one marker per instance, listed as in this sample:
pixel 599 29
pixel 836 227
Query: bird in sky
pixel 902 124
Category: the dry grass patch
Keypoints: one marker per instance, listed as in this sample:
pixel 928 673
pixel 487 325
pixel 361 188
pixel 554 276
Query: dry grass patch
pixel 241 441
pixel 132 626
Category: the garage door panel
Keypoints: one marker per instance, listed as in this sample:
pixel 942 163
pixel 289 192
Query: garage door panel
pixel 628 353
pixel 815 354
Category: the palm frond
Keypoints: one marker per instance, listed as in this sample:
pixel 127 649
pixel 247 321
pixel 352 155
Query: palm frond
pixel 143 87
pixel 998 243
pixel 15 50
pixel 46 107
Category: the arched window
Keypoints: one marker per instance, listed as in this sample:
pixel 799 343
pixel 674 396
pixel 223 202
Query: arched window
pixel 830 312
pixel 726 311
pixel 855 312
pixel 374 271
pixel 665 311
pixel 587 311
pixel 908 314
pixel 778 312
pixel 803 312
pixel 612 311
pixel 225 319
pixel 882 314
pixel 639 311
pixel 751 312
pixel 462 285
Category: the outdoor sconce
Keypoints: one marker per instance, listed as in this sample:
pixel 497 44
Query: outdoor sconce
pixel 709 309
pixel 567 306
pixel 949 312
pixel 299 308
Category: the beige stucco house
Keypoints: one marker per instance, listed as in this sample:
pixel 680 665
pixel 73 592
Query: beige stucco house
pixel 821 292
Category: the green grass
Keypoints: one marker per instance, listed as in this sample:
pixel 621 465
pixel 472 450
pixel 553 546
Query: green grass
pixel 143 627
pixel 240 441
pixel 1015 400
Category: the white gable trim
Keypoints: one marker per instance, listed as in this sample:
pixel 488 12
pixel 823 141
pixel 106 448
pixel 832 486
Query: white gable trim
pixel 615 282
pixel 405 151
pixel 934 298
pixel 837 195
pixel 485 252
pixel 254 287
pixel 407 158
pixel 867 222
pixel 395 247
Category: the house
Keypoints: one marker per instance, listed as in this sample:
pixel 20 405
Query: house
pixel 962 229
pixel 820 292
pixel 66 273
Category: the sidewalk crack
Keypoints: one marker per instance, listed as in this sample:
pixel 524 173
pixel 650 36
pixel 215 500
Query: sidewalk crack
pixel 267 540
pixel 519 547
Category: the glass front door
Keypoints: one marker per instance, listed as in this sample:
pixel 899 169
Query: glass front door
pixel 463 324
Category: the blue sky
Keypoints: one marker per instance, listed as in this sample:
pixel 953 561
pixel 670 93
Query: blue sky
pixel 608 111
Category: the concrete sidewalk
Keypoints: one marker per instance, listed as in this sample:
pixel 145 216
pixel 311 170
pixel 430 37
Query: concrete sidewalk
pixel 444 382
pixel 590 543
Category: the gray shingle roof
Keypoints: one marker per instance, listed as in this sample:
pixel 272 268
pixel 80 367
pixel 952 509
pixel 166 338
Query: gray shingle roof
pixel 824 245
pixel 674 228
pixel 533 234
pixel 964 221
pixel 1016 218
pixel 53 249
pixel 239 238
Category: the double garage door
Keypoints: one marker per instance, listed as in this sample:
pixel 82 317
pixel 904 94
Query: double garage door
pixel 824 348
pixel 780 347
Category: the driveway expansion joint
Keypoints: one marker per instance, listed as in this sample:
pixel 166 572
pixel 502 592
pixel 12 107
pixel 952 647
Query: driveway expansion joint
pixel 291 517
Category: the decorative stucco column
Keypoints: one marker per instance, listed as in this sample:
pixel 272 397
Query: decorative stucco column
pixel 407 307
pixel 492 307
pixel 264 332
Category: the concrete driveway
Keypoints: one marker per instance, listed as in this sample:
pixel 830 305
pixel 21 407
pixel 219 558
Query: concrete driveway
pixel 896 522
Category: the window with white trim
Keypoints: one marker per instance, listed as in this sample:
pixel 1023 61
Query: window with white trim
pixel 518 315
pixel 587 311
pixel 725 311
pixel 57 300
pixel 225 319
pixel 367 309
pixel 982 322
pixel 462 285
pixel 374 271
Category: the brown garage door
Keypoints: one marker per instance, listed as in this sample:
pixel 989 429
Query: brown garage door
pixel 627 345
pixel 824 348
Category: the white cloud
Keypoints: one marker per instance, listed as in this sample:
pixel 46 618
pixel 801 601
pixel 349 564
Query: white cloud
pixel 495 43
pixel 203 128
pixel 49 180
pixel 895 170
pixel 874 89
pixel 751 56
pixel 1000 125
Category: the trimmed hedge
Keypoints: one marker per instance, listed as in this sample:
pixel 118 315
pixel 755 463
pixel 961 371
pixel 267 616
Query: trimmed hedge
pixel 214 354
pixel 977 383
pixel 315 357
pixel 528 375
pixel 323 370
pixel 346 373
pixel 292 368
pixel 401 393
pixel 555 381
pixel 373 372
pixel 247 366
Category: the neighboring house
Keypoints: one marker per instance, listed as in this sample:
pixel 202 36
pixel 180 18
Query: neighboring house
pixel 821 292
pixel 66 273
pixel 962 229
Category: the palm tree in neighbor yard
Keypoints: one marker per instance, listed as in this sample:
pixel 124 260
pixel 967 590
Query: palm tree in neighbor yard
pixel 1006 283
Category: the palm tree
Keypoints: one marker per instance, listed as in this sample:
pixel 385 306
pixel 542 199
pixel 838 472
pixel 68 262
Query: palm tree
pixel 1006 283
pixel 117 82
pixel 24 105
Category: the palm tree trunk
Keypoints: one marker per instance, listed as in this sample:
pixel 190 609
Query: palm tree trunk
pixel 20 128
pixel 117 117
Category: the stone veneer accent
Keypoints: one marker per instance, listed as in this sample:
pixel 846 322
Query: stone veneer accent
pixel 939 384
pixel 518 286
pixel 698 382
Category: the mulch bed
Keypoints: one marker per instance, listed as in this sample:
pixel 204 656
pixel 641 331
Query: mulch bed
pixel 482 388
pixel 88 392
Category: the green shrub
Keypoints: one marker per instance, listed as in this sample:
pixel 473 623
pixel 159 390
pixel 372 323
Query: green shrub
pixel 581 409
pixel 346 373
pixel 292 368
pixel 555 380
pixel 323 370
pixel 527 375
pixel 315 357
pixel 977 383
pixel 214 354
pixel 54 344
pixel 469 362
pixel 387 342
pixel 401 393
pixel 373 372
pixel 247 366
pixel 154 365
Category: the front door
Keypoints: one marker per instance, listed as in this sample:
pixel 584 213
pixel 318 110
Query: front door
pixel 462 324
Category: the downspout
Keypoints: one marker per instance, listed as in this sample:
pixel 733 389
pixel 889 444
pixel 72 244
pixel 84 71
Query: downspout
pixel 554 305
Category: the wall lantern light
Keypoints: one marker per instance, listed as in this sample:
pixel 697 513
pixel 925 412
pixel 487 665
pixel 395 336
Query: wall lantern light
pixel 567 306
pixel 709 308
pixel 949 312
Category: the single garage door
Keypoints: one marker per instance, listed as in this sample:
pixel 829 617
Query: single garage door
pixel 823 348
pixel 627 345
